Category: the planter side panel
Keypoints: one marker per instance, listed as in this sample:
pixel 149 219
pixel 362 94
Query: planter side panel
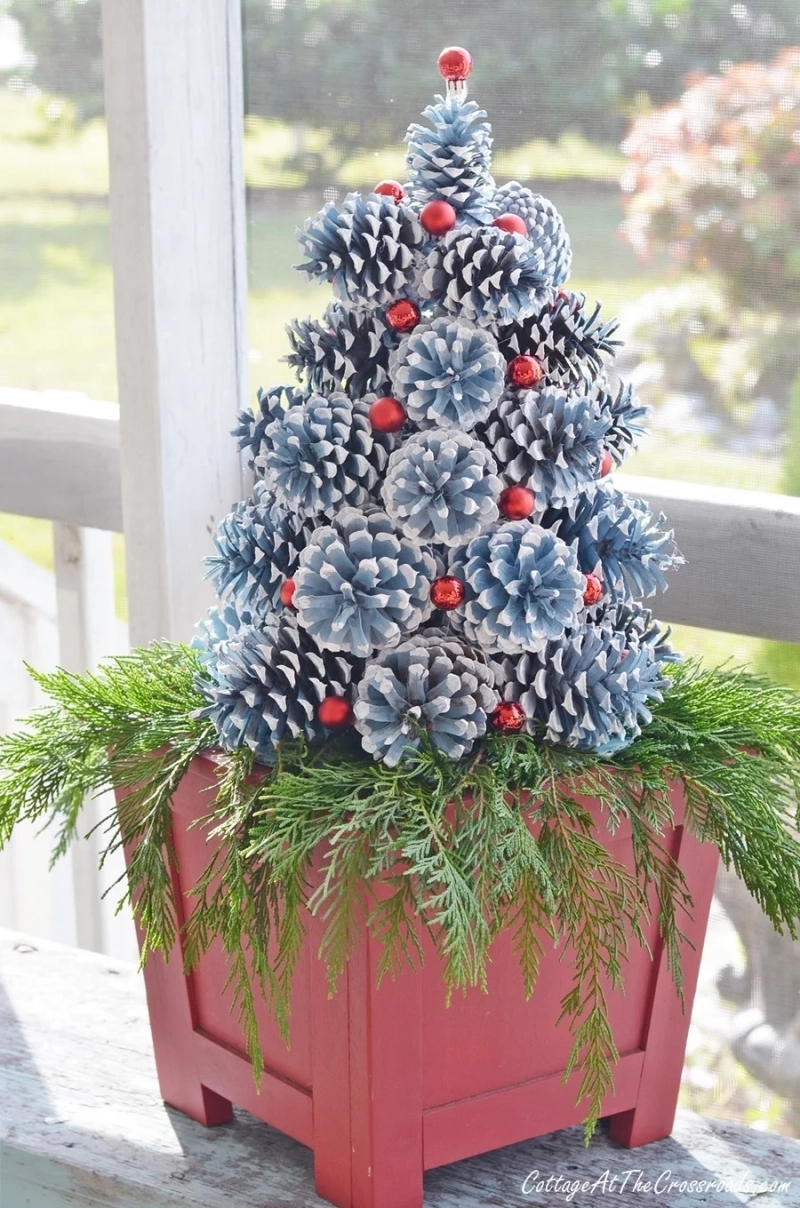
pixel 216 1015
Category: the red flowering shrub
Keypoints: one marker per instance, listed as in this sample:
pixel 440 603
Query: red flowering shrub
pixel 716 179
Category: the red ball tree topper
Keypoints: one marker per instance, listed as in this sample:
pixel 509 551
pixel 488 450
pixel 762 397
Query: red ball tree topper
pixel 438 217
pixel 455 63
pixel 516 503
pixel 335 713
pixel 387 415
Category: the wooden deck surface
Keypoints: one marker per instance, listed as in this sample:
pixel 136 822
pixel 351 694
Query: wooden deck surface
pixel 81 1123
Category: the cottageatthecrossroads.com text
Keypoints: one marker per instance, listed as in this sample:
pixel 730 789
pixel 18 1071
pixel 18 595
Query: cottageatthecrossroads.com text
pixel 628 1182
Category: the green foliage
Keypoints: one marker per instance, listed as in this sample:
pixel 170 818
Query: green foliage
pixel 721 194
pixel 456 851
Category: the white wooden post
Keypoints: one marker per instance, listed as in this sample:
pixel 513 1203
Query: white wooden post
pixel 173 86
pixel 87 631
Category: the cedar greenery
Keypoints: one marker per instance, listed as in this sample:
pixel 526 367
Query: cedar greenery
pixel 462 831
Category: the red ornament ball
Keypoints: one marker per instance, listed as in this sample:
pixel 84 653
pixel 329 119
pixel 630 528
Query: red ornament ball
pixel 335 713
pixel 508 718
pixel 387 415
pixel 593 590
pixel 525 372
pixel 390 188
pixel 438 217
pixel 516 503
pixel 607 464
pixel 511 223
pixel 287 592
pixel 403 315
pixel 455 63
pixel 447 592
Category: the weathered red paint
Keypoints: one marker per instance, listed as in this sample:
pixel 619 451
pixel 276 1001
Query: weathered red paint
pixel 384 1083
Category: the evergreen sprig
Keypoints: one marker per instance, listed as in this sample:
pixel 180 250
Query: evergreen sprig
pixel 454 850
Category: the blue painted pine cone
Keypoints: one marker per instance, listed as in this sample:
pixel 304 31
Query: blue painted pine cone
pixel 431 685
pixel 441 487
pixel 447 373
pixel 266 684
pixel 591 689
pixel 524 588
pixel 360 586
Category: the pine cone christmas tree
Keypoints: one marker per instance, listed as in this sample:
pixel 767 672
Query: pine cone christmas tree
pixel 431 522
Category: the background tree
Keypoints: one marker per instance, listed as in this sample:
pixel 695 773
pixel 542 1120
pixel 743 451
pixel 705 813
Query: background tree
pixel 356 58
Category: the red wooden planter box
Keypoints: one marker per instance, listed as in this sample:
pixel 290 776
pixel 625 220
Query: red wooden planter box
pixel 385 1083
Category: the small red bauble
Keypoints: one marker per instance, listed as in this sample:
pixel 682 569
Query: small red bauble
pixel 287 592
pixel 516 503
pixel 455 63
pixel 438 217
pixel 447 592
pixel 592 591
pixel 607 464
pixel 387 415
pixel 525 371
pixel 390 188
pixel 511 223
pixel 508 718
pixel 402 315
pixel 335 713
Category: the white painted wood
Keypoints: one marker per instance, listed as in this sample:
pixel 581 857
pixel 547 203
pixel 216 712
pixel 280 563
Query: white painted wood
pixel 81 1121
pixel 742 551
pixel 27 632
pixel 66 903
pixel 88 631
pixel 59 457
pixel 173 81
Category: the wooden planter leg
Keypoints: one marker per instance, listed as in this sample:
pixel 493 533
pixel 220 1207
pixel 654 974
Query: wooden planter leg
pixel 172 1022
pixel 667 1025
pixel 385 1084
pixel 369 1040
pixel 173 1019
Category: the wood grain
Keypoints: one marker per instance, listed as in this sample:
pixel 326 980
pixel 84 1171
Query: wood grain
pixel 173 93
pixel 82 1123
